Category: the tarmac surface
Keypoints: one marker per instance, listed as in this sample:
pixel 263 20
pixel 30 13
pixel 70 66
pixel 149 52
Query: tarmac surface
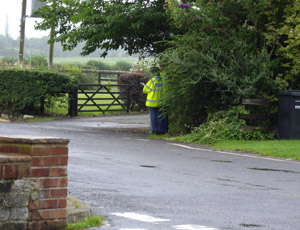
pixel 138 183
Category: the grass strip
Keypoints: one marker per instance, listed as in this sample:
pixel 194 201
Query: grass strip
pixel 87 222
pixel 286 149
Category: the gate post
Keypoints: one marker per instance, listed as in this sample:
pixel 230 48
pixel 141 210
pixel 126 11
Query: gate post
pixel 73 102
pixel 128 99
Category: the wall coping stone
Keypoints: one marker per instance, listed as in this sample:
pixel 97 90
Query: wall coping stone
pixel 14 157
pixel 29 139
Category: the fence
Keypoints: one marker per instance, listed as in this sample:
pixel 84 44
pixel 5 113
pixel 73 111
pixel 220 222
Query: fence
pixel 266 117
pixel 99 98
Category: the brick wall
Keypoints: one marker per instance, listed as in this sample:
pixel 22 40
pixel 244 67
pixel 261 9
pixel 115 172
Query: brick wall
pixel 40 164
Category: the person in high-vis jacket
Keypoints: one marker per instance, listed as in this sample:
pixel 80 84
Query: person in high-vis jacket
pixel 154 90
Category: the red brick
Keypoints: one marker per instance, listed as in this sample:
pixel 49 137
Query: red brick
pixel 44 214
pixel 1 171
pixel 45 161
pixel 63 160
pixel 58 192
pixel 9 149
pixel 41 151
pixel 45 193
pixel 63 182
pixel 52 224
pixel 25 149
pixel 20 170
pixel 47 183
pixel 60 150
pixel 48 204
pixel 33 226
pixel 35 215
pixel 58 172
pixel 62 203
pixel 14 169
pixel 57 214
pixel 7 172
pixel 40 172
pixel 34 205
pixel 27 169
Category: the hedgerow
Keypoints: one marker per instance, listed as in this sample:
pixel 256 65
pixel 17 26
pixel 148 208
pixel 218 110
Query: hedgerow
pixel 137 98
pixel 25 91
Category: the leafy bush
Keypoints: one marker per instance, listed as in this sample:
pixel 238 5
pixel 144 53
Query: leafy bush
pixel 207 74
pixel 223 125
pixel 98 65
pixel 122 66
pixel 137 98
pixel 9 60
pixel 36 62
pixel 25 91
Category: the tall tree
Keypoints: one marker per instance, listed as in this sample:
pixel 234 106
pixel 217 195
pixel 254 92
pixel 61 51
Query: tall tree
pixel 133 25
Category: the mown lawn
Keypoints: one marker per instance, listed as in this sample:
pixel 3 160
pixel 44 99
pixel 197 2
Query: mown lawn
pixel 287 149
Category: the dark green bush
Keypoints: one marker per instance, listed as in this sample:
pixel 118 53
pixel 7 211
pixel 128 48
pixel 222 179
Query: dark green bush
pixel 9 60
pixel 25 91
pixel 36 62
pixel 206 74
pixel 137 98
pixel 98 65
pixel 223 125
pixel 122 66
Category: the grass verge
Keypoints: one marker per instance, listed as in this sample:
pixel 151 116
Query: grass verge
pixel 87 222
pixel 287 149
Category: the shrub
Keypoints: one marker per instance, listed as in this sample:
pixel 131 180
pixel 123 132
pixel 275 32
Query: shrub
pixel 122 66
pixel 207 74
pixel 25 91
pixel 98 65
pixel 137 98
pixel 36 62
pixel 223 125
pixel 9 60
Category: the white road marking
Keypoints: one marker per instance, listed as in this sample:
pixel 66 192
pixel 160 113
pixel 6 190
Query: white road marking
pixel 234 154
pixel 139 217
pixel 142 140
pixel 133 229
pixel 192 227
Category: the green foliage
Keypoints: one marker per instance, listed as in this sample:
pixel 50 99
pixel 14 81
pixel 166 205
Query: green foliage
pixel 137 98
pixel 24 91
pixel 87 222
pixel 9 60
pixel 289 47
pixel 36 62
pixel 122 66
pixel 135 26
pixel 98 65
pixel 286 149
pixel 222 125
pixel 207 73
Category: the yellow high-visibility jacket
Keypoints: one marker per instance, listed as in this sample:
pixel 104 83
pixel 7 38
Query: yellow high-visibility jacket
pixel 154 90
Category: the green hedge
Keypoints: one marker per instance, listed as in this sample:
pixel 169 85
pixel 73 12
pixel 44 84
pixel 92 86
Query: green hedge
pixel 26 91
pixel 137 98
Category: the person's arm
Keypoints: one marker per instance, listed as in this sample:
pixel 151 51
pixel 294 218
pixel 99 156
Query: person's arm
pixel 147 87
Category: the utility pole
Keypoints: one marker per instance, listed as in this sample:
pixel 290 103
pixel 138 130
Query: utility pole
pixel 51 49
pixel 22 33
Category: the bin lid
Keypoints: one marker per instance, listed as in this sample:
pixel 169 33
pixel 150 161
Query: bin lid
pixel 295 93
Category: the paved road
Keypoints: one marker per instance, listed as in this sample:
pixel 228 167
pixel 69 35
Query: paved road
pixel 142 184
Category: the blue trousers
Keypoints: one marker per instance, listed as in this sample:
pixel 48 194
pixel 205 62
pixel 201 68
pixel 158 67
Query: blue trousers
pixel 159 123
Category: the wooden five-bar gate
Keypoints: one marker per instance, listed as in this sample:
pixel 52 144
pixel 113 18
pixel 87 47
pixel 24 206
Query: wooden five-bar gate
pixel 106 96
pixel 99 98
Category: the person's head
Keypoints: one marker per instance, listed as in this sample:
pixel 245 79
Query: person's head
pixel 155 70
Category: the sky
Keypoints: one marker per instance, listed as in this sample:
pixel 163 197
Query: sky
pixel 13 9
